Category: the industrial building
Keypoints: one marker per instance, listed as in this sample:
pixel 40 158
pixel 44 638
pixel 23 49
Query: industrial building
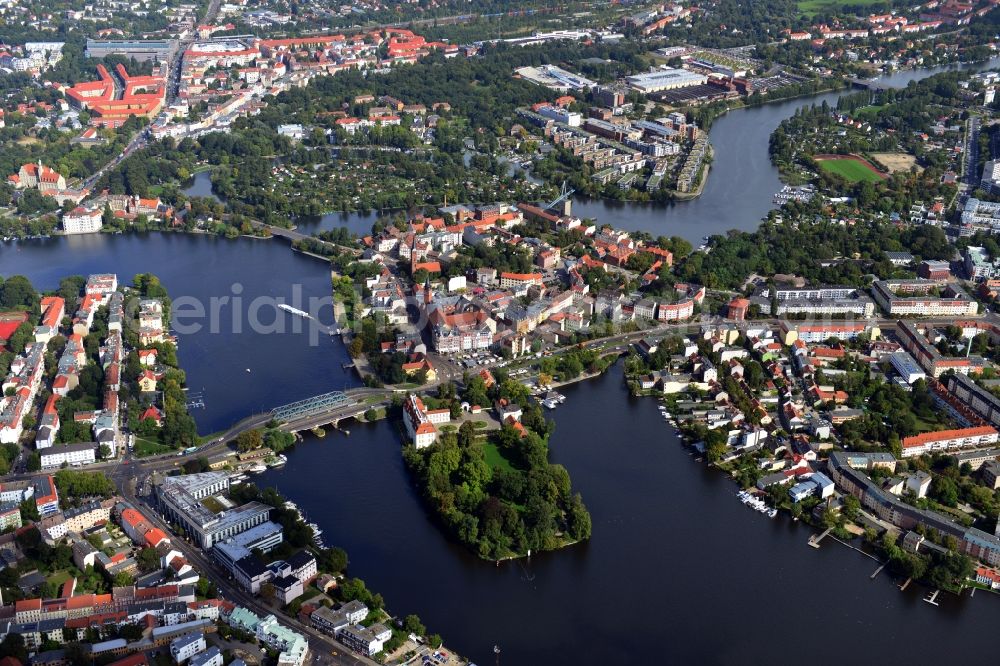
pixel 665 79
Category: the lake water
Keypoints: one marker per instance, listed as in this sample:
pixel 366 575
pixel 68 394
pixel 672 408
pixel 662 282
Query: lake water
pixel 283 366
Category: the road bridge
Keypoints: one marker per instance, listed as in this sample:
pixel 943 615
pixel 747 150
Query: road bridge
pixel 328 408
pixel 293 235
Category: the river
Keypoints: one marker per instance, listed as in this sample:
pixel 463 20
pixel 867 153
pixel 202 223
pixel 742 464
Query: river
pixel 741 183
pixel 742 180
pixel 677 570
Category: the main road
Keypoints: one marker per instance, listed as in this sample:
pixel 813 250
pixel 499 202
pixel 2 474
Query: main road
pixel 324 649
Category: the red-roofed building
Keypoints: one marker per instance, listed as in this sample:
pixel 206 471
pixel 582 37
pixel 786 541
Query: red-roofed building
pixel 154 537
pixel 111 105
pixel 37 177
pixel 152 413
pixel 737 309
pixel 520 279
pixel 948 440
pixel 46 497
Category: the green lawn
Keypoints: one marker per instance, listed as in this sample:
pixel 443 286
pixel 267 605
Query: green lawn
pixel 495 459
pixel 59 577
pixel 213 505
pixel 866 111
pixel 851 170
pixel 811 7
pixel 149 447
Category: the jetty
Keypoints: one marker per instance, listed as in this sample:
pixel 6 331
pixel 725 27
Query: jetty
pixel 816 538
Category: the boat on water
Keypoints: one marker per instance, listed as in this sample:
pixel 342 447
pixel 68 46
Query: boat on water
pixel 257 469
pixel 757 504
pixel 278 461
pixel 294 311
pixel 549 403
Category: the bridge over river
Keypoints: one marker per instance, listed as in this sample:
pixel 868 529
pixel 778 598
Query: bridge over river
pixel 329 408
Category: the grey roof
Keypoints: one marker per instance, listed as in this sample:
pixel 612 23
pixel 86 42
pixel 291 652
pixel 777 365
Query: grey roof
pixel 205 656
pixel 185 640
pixel 251 566
pixel 285 582
pixel 300 559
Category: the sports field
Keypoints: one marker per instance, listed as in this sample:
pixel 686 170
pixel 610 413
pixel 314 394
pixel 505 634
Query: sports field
pixel 853 169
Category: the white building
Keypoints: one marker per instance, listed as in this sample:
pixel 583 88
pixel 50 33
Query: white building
pixel 184 647
pixel 571 118
pixel 918 483
pixel 368 641
pixel 82 220
pixel 665 79
pixel 82 453
pixel 906 366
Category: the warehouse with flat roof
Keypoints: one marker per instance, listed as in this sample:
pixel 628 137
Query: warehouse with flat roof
pixel 140 49
pixel 665 79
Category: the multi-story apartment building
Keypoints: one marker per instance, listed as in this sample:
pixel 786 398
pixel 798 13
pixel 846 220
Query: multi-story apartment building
pixel 949 440
pixel 916 297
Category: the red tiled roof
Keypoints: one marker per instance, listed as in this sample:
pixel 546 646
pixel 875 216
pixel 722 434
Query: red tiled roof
pixel 927 437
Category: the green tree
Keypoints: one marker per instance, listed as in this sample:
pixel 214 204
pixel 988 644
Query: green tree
pixel 249 440
pixel 17 292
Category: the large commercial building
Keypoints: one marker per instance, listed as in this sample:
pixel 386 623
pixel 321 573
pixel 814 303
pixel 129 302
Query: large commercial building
pixel 263 537
pixel 181 498
pixel 665 79
pixel 141 50
pixel 555 78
